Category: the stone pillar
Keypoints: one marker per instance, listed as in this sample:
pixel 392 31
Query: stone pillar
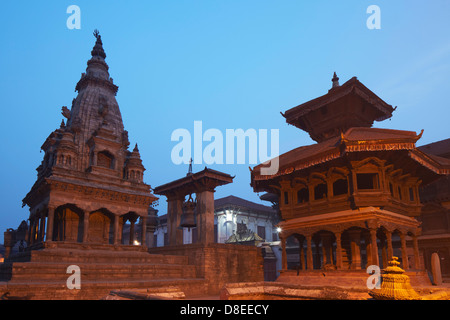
pixel 283 254
pixel 143 230
pixel 355 242
pixel 50 223
pixel 116 239
pixel 33 230
pixel 404 252
pixel 338 250
pixel 29 231
pixel 205 216
pixel 374 246
pixel 42 227
pixel 416 253
pixel 85 227
pixel 309 255
pixel 132 221
pixel 174 210
pixel 390 251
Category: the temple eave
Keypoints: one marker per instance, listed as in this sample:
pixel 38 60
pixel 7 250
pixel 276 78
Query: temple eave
pixel 340 220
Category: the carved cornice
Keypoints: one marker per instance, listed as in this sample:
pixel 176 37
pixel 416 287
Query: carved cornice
pixel 100 194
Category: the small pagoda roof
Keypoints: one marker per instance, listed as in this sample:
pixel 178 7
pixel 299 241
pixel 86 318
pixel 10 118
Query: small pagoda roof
pixel 352 85
pixel 354 140
pixel 349 105
pixel 193 181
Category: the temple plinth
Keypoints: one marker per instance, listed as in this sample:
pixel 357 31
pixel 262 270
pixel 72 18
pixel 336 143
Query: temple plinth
pixel 203 184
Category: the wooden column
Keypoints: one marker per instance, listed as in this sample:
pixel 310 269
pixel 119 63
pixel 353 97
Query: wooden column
pixel 174 210
pixel 390 251
pixel 355 243
pixel 416 252
pixel 374 246
pixel 404 253
pixel 205 216
pixel 302 254
pixel 383 252
pixel 85 227
pixel 338 250
pixel 283 254
pixel 309 255
pixel 327 249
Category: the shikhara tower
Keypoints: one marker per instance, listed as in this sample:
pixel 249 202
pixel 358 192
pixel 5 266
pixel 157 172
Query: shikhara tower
pixel 89 183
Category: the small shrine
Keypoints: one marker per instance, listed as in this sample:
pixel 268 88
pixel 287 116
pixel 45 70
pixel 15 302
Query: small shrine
pixel 395 284
pixel 187 214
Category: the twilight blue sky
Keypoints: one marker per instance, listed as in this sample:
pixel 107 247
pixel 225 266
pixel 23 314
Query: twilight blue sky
pixel 231 64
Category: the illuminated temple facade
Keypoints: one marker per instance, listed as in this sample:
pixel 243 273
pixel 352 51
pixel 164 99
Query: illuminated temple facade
pixel 345 199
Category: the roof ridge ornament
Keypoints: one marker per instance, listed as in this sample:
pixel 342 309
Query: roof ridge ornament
pixel 335 80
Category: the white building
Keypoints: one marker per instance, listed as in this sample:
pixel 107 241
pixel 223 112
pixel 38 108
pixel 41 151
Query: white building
pixel 228 213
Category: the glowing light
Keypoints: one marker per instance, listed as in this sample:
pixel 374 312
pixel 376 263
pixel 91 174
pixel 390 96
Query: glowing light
pixel 278 229
pixel 136 243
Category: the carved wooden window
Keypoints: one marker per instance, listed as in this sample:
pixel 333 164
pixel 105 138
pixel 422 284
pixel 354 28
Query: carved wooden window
pixel 340 187
pixel 391 189
pixel 286 197
pixel 411 194
pixel 367 181
pixel 303 195
pixel 320 191
pixel 105 159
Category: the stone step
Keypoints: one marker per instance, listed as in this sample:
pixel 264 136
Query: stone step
pixel 93 290
pixel 40 271
pixel 74 256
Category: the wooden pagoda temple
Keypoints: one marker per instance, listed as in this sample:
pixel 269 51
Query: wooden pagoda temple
pixel 345 198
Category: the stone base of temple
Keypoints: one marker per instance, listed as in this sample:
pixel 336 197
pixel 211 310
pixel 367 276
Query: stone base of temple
pixel 343 278
pixel 195 270
pixel 44 273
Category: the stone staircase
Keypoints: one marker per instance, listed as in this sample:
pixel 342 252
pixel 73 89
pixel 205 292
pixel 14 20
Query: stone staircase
pixel 43 274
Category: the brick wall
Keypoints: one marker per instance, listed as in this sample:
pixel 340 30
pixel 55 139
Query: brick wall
pixel 219 263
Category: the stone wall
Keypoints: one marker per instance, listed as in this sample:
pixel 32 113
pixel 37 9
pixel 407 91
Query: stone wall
pixel 219 263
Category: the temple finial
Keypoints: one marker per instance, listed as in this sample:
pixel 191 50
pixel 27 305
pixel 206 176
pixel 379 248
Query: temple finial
pixel 136 149
pixel 190 168
pixel 98 48
pixel 335 80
